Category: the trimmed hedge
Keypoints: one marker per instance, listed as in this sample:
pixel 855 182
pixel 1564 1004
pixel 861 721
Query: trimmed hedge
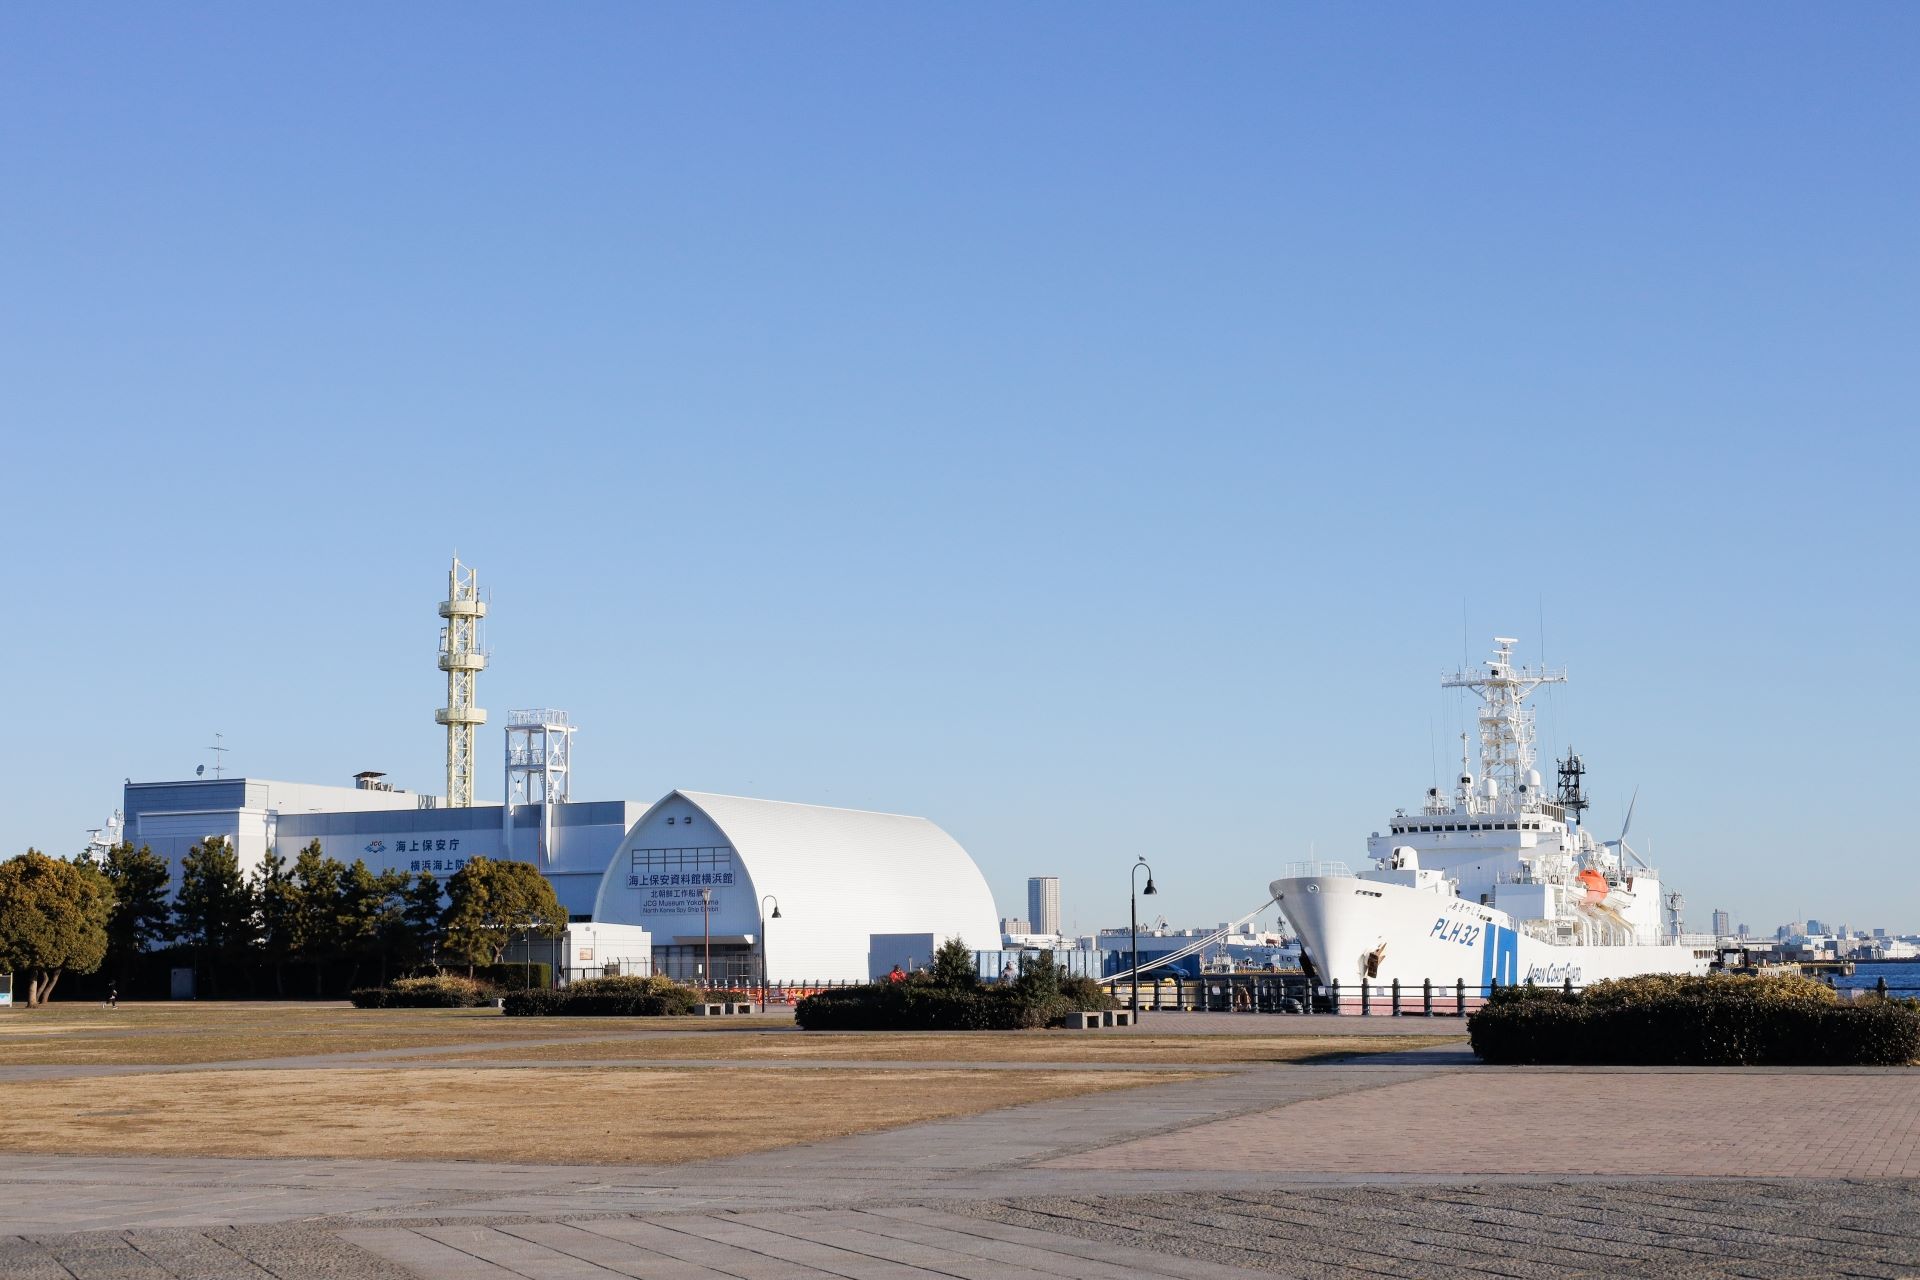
pixel 1719 1020
pixel 622 997
pixel 442 991
pixel 920 1005
pixel 516 977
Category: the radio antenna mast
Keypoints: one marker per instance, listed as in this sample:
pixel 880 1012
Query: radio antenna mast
pixel 463 658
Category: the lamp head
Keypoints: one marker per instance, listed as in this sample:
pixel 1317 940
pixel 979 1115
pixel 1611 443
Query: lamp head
pixel 1149 889
pixel 776 911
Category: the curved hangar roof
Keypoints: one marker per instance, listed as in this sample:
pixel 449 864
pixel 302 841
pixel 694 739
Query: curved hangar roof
pixel 841 875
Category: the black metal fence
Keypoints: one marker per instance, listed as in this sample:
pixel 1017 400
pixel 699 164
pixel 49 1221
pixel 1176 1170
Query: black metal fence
pixel 1294 993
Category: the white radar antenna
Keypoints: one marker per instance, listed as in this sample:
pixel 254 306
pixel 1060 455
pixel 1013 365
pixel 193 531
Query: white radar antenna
pixel 462 658
pixel 539 764
pixel 1506 722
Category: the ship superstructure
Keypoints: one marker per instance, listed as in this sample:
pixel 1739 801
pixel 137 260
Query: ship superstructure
pixel 1495 880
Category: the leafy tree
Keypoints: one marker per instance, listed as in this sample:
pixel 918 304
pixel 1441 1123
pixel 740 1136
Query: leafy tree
pixel 142 917
pixel 215 908
pixel 421 916
pixel 953 966
pixel 53 917
pixel 316 915
pixel 277 898
pixel 492 903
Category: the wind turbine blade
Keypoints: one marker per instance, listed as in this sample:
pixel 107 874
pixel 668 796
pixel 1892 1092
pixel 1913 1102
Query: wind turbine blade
pixel 1628 824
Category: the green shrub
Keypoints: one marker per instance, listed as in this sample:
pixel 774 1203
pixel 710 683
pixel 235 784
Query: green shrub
pixel 617 997
pixel 532 1004
pixel 953 966
pixel 922 1006
pixel 516 977
pixel 1716 1020
pixel 1085 994
pixel 1653 987
pixel 627 984
pixel 441 991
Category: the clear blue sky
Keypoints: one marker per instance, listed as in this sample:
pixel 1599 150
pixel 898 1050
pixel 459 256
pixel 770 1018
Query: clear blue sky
pixel 1086 425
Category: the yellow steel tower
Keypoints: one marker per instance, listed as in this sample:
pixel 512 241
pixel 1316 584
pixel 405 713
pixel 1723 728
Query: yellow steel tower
pixel 462 658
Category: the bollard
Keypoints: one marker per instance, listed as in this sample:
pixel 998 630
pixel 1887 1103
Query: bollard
pixel 1426 997
pixel 1880 986
pixel 1333 1001
pixel 1366 1005
pixel 1568 985
pixel 1459 997
pixel 1396 997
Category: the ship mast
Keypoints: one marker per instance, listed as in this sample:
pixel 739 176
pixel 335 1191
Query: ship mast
pixel 1506 722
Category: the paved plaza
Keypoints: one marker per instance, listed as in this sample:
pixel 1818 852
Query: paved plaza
pixel 1421 1163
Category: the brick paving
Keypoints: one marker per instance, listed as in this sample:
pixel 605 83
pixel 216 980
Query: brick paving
pixel 1694 1228
pixel 1729 1123
pixel 1399 1165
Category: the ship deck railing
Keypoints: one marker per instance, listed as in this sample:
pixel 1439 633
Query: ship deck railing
pixel 1313 870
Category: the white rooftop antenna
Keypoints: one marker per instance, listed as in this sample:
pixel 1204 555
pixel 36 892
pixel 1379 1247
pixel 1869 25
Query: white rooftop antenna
pixel 463 658
pixel 218 753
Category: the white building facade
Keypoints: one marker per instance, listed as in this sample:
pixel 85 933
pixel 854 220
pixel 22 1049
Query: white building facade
pixel 857 891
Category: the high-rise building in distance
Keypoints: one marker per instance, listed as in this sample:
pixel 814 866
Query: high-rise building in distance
pixel 1043 904
pixel 1722 924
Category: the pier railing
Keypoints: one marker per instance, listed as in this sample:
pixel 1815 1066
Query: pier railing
pixel 1295 993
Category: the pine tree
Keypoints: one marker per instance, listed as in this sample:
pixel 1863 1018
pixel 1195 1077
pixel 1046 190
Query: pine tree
pixel 316 917
pixel 215 909
pixel 365 923
pixel 277 899
pixel 421 916
pixel 390 926
pixel 142 917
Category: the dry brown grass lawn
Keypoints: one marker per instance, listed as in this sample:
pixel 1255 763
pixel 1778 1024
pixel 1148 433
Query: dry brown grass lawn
pixel 161 1034
pixel 185 1033
pixel 983 1046
pixel 608 1115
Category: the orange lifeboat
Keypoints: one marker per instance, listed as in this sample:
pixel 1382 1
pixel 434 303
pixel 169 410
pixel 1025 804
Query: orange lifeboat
pixel 1594 883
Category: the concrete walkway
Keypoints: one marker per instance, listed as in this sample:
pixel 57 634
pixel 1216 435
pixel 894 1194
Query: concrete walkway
pixel 1387 1166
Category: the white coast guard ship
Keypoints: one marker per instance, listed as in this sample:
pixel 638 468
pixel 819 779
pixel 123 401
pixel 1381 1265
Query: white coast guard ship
pixel 1496 883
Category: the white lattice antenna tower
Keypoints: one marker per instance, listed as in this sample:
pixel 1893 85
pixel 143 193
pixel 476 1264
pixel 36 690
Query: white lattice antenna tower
pixel 463 658
pixel 1506 722
pixel 539 766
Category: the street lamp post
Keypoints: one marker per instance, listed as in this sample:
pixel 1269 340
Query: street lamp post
pixel 764 900
pixel 706 964
pixel 1133 907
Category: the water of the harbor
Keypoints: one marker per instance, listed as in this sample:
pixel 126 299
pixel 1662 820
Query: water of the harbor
pixel 1903 978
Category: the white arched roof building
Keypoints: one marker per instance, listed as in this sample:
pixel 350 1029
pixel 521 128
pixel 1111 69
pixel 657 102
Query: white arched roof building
pixel 842 878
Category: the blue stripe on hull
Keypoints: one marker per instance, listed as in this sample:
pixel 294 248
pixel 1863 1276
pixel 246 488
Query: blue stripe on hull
pixel 1500 961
